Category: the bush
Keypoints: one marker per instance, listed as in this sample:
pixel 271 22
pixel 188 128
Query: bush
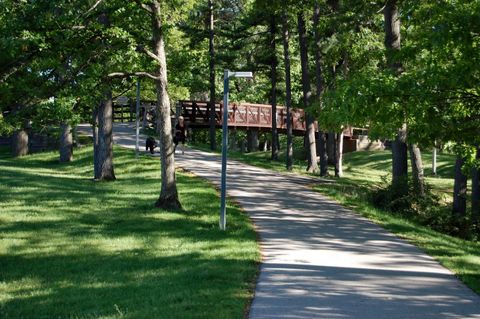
pixel 426 209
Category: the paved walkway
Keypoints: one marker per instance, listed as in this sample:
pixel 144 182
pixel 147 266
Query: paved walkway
pixel 321 260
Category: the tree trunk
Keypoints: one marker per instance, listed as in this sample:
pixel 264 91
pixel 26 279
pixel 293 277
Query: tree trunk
pixel 288 88
pixel 339 155
pixel 168 194
pixel 273 78
pixel 95 137
pixel 331 148
pixel 476 192
pixel 417 169
pixel 392 34
pixel 322 141
pixel 20 143
pixel 459 208
pixel 307 93
pixel 103 149
pixel 213 141
pixel 399 148
pixel 400 163
pixel 66 143
pixel 252 140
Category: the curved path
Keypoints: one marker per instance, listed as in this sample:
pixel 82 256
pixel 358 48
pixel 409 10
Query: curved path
pixel 321 260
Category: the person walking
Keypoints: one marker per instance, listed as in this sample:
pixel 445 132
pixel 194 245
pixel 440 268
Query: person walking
pixel 180 133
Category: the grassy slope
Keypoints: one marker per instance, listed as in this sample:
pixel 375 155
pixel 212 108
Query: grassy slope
pixel 365 169
pixel 73 248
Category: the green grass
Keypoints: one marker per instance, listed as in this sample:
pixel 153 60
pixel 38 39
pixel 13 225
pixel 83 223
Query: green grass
pixel 363 171
pixel 74 248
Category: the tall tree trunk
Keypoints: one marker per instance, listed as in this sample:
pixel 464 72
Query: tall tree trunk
pixel 307 93
pixel 168 194
pixel 331 148
pixel 20 143
pixel 322 140
pixel 273 78
pixel 476 193
pixel 213 141
pixel 399 147
pixel 288 87
pixel 339 155
pixel 95 136
pixel 417 169
pixel 392 34
pixel 66 143
pixel 400 162
pixel 103 149
pixel 103 118
pixel 459 208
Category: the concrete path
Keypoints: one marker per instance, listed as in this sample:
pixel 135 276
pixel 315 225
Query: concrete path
pixel 321 260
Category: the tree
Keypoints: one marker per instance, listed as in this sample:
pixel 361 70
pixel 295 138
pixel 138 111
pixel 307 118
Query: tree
pixel 103 139
pixel 417 169
pixel 288 85
pixel 168 193
pixel 211 48
pixel 307 93
pixel 322 140
pixel 460 193
pixel 273 77
pixel 20 143
pixel 399 145
pixel 476 191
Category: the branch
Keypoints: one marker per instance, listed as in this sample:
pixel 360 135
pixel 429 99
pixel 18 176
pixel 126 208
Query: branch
pixel 144 6
pixel 383 8
pixel 123 93
pixel 12 67
pixel 93 8
pixel 149 53
pixel 126 75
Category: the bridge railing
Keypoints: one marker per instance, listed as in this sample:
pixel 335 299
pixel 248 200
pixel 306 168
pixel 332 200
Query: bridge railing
pixel 246 115
pixel 241 115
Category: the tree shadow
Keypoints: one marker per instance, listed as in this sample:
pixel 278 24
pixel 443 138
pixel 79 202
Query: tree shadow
pixel 76 249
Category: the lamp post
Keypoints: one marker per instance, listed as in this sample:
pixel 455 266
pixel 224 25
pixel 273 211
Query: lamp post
pixel 227 75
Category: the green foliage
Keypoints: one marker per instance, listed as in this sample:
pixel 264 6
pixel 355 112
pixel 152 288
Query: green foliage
pixel 424 210
pixel 435 95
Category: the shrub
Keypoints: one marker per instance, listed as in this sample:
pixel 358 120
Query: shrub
pixel 426 210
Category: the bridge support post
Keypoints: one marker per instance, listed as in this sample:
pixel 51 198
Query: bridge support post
pixel 331 148
pixel 252 140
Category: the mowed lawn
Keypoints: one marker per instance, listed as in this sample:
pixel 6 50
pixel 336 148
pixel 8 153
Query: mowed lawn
pixel 74 248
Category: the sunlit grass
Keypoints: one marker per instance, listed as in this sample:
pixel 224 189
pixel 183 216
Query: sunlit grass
pixel 74 248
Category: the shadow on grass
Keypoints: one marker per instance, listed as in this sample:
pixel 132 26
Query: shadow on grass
pixel 73 248
pixel 93 284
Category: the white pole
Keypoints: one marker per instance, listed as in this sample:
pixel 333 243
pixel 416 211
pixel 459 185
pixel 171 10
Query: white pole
pixel 434 160
pixel 223 206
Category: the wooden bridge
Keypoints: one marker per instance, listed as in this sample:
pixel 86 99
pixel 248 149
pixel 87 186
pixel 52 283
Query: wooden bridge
pixel 244 115
pixel 240 115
